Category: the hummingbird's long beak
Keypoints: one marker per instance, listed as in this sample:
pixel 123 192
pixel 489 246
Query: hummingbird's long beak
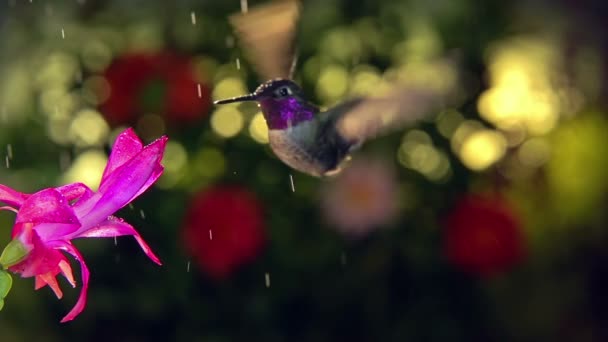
pixel 248 97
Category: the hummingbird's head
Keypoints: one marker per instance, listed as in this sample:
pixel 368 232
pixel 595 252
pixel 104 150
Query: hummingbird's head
pixel 277 89
pixel 282 102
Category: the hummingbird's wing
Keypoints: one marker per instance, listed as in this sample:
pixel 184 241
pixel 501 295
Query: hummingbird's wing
pixel 360 119
pixel 266 34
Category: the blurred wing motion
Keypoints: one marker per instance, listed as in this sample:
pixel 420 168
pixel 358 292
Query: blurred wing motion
pixel 266 34
pixel 364 118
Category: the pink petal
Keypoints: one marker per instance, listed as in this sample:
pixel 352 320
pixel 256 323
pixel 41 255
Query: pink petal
pixel 127 182
pixel 156 173
pixel 46 206
pixel 50 213
pixel 84 270
pixel 114 226
pixel 126 146
pixel 75 191
pixel 55 231
pixel 41 259
pixel 12 197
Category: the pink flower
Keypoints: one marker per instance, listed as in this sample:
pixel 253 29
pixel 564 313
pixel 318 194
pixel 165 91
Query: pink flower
pixel 361 198
pixel 49 219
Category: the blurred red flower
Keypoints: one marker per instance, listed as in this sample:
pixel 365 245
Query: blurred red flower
pixel 223 229
pixel 161 83
pixel 483 235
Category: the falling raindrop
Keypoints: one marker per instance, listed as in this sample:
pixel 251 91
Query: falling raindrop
pixel 115 241
pixel 7 162
pixel 244 6
pixel 131 206
pixel 141 213
pixel 188 266
pixel 210 235
pixel 62 33
pixel 9 151
pixel 293 187
pixel 193 17
pixel 238 64
pixel 267 279
pixel 200 91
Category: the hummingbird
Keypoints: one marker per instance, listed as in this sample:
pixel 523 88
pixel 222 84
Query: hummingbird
pixel 314 141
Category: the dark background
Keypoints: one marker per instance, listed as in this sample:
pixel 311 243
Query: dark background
pixel 527 132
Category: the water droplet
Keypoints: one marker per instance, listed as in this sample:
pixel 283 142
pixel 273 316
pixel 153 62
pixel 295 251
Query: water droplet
pixel 131 206
pixel 8 165
pixel 200 91
pixel 62 33
pixel 210 235
pixel 238 64
pixel 9 151
pixel 267 279
pixel 293 187
pixel 115 241
pixel 141 213
pixel 193 17
pixel 188 266
pixel 244 6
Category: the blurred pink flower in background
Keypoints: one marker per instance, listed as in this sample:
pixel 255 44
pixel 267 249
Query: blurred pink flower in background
pixel 361 198
pixel 49 219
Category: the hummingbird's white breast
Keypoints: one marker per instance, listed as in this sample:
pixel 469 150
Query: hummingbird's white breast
pixel 294 146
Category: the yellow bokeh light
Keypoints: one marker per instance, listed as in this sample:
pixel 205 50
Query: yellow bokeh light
pixel 464 130
pixel 534 152
pixel 366 80
pixel 58 69
pixel 418 153
pixel 145 36
pixel 227 121
pixel 482 148
pixel 87 169
pixel 96 55
pixel 258 128
pixel 524 92
pixel 15 93
pixel 175 161
pixel 332 83
pixel 96 89
pixel 342 44
pixel 88 128
pixel 229 87
pixel 448 121
pixel 208 163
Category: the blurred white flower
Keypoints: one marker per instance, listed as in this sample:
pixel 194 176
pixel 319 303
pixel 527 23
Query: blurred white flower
pixel 361 198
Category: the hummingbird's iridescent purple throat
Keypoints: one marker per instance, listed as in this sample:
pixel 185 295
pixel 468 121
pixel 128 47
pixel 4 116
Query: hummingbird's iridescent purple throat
pixel 299 134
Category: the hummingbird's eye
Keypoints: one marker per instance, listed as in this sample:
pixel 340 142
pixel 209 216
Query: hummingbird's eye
pixel 282 92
